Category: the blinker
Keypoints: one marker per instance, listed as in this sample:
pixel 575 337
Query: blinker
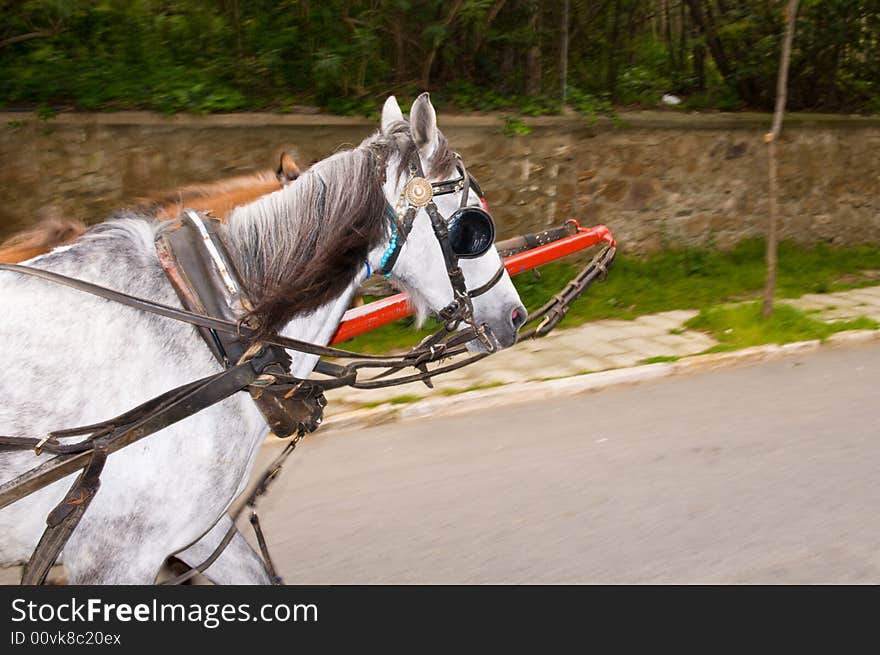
pixel 471 232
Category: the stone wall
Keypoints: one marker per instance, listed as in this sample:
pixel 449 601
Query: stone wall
pixel 660 179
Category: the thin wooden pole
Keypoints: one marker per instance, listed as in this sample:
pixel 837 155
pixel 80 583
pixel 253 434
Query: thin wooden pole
pixel 771 139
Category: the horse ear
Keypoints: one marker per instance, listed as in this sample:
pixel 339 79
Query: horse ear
pixel 287 170
pixel 390 113
pixel 423 123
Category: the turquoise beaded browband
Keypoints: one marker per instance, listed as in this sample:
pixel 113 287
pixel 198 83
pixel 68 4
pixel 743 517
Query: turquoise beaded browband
pixel 417 193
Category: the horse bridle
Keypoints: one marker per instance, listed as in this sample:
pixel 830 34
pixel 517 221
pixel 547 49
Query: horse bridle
pixel 419 193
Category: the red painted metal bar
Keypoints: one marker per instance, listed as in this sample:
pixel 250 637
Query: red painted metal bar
pixel 387 310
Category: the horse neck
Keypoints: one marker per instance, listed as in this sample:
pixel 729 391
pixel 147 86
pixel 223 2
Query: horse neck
pixel 264 229
pixel 320 326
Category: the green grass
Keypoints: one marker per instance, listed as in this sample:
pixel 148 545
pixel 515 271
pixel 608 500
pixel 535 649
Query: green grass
pixel 473 387
pixel 673 279
pixel 400 335
pixel 695 278
pixel 660 359
pixel 403 399
pixel 741 326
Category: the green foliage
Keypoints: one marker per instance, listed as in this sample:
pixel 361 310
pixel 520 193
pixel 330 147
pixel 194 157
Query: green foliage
pixel 471 97
pixel 346 55
pixel 405 399
pixel 395 337
pixel 514 126
pixel 720 96
pixel 591 106
pixel 741 326
pixel 45 113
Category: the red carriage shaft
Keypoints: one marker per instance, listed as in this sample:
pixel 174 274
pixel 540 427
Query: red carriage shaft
pixel 387 310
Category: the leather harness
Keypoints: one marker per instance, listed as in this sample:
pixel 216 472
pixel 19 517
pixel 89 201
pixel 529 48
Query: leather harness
pixel 196 261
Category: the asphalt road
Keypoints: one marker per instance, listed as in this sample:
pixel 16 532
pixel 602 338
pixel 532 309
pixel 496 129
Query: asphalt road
pixel 766 473
pixel 761 473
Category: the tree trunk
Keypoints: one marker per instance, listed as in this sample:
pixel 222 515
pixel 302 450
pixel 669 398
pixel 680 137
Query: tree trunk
pixel 771 138
pixel 480 36
pixel 563 63
pixel 429 60
pixel 716 48
pixel 667 33
pixel 399 52
pixel 699 53
pixel 830 98
pixel 611 79
pixel 236 18
pixel 533 56
pixel 25 37
pixel 506 69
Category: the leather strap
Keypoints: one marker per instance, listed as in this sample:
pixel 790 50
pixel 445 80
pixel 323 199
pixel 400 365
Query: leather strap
pixel 193 318
pixel 197 397
pixel 62 520
pixel 491 282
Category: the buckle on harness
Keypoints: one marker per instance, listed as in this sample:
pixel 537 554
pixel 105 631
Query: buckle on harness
pixel 38 449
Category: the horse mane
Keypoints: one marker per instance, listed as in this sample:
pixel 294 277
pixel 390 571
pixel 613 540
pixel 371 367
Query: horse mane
pixel 300 248
pixel 40 239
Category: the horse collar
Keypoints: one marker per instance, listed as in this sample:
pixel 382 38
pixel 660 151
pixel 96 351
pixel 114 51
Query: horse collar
pixel 195 259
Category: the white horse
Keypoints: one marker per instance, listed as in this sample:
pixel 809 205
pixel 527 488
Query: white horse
pixel 74 359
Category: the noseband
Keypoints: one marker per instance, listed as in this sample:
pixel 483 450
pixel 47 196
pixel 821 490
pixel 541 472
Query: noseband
pixel 419 193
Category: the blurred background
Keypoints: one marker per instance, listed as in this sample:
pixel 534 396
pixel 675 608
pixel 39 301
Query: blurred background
pixel 344 55
pixel 645 115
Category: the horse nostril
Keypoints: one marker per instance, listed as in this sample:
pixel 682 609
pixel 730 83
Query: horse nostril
pixel 518 317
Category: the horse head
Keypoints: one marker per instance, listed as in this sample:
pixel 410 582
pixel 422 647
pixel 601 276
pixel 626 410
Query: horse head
pixel 401 203
pixel 438 226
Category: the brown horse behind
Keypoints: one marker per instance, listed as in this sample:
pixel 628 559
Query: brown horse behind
pixel 220 198
pixel 39 240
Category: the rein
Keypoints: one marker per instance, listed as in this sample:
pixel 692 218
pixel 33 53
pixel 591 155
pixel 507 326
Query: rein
pixel 182 315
